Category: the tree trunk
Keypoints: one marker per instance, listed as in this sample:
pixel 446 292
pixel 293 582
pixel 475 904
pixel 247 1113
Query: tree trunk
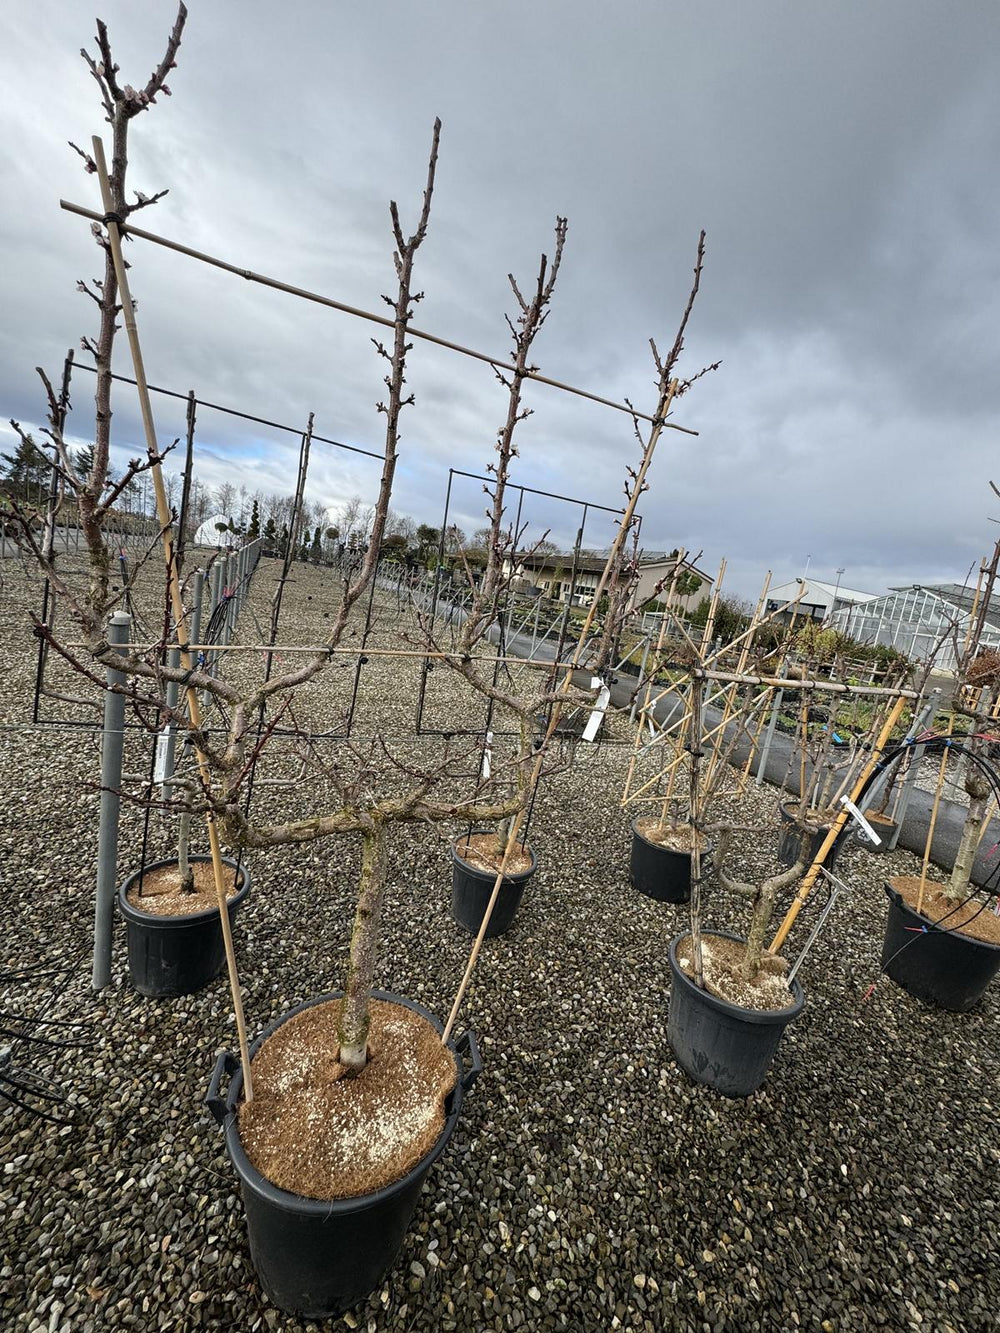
pixel 760 921
pixel 979 794
pixel 183 844
pixel 354 1017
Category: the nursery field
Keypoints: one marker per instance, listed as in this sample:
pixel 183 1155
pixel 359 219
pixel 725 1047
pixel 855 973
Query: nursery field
pixel 590 1185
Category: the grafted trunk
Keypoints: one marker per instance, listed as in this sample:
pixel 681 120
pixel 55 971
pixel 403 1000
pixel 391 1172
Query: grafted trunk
pixel 760 921
pixel 354 1017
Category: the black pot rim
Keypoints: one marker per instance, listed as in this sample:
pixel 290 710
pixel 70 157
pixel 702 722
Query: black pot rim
pixel 301 1203
pixel 659 847
pixel 765 1017
pixel 136 916
pixel 489 876
pixel 932 927
pixel 825 827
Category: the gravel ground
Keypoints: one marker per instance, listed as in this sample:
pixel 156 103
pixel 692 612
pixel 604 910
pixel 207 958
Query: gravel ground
pixel 589 1185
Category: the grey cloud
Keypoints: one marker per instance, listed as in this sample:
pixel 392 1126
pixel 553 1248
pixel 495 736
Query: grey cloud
pixel 843 159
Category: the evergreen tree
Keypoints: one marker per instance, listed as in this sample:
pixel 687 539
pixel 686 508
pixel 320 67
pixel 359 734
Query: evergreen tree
pixel 304 548
pixel 316 549
pixel 253 531
pixel 270 536
pixel 285 537
pixel 27 472
pixel 83 461
pixel 427 540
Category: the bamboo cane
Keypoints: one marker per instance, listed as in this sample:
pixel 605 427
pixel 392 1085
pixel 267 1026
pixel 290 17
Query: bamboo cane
pixel 713 608
pixel 812 874
pixel 727 713
pixel 804 721
pixel 249 276
pixel 165 519
pixel 938 792
pixel 649 683
pixel 624 525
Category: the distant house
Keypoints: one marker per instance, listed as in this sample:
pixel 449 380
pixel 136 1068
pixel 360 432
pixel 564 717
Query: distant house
pixel 559 577
pixel 819 600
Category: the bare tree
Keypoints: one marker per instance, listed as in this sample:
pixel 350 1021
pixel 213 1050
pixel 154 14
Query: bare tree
pixel 225 498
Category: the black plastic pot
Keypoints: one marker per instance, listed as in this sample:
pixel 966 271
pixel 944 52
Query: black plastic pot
pixel 660 872
pixel 471 890
pixel 317 1258
pixel 723 1045
pixel 788 842
pixel 177 955
pixel 940 967
pixel 885 828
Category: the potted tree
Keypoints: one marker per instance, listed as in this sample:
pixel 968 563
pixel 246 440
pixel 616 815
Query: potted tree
pixel 730 1001
pixel 172 922
pixel 337 1112
pixel 175 937
pixel 942 941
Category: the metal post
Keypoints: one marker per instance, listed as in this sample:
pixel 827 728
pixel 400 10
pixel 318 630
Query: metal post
pixel 197 597
pixel 229 583
pixel 112 745
pixel 925 719
pixel 217 572
pixel 765 749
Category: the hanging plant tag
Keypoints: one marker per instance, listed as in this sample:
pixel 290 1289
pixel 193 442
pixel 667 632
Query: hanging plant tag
pixel 597 716
pixel 860 820
pixel 160 762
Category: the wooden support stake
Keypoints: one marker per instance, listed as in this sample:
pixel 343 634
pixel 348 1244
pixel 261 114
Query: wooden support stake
pixel 938 791
pixel 812 874
pixel 165 520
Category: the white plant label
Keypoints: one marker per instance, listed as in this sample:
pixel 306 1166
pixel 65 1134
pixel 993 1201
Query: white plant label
pixel 160 762
pixel 860 819
pixel 596 717
pixel 487 755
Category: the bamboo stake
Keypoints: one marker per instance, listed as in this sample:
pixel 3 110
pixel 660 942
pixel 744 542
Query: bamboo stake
pixel 730 694
pixel 165 520
pixel 748 678
pixel 500 363
pixel 729 676
pixel 694 818
pixel 668 768
pixel 649 683
pixel 713 607
pixel 938 792
pixel 804 721
pixel 614 555
pixel 812 874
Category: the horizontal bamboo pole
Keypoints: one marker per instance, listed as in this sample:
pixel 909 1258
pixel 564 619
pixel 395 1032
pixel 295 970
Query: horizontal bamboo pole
pixel 279 648
pixel 498 362
pixel 830 686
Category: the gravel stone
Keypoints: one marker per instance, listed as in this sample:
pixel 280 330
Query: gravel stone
pixel 855 1191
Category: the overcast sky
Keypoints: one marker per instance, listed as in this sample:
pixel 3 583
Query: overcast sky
pixel 843 158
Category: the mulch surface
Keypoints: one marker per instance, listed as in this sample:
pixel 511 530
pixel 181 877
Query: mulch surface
pixel 316 1133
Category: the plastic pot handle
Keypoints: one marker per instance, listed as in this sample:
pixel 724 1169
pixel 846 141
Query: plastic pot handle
pixel 225 1066
pixel 466 1045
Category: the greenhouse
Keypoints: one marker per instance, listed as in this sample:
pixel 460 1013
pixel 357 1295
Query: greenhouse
pixel 923 621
